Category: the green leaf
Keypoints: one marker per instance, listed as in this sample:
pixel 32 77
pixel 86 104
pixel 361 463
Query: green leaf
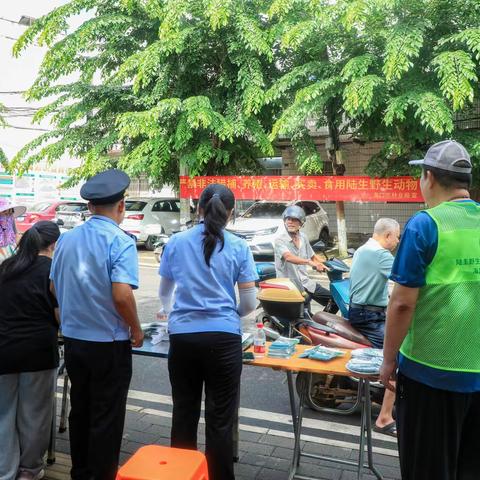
pixel 297 34
pixel 403 46
pixel 281 8
pixel 218 12
pixel 470 37
pixel 291 79
pixel 307 156
pixel 397 108
pixel 430 109
pixel 434 113
pixel 456 71
pixel 357 67
pixel 359 95
pixel 47 28
pixel 355 14
pixel 254 38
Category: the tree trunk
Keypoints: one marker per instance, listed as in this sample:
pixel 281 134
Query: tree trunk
pixel 184 202
pixel 340 208
pixel 334 153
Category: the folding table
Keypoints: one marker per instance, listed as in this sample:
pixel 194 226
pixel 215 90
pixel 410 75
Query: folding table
pixel 332 367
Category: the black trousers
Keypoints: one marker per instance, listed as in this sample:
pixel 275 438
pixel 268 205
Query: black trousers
pixel 213 359
pixel 322 296
pixel 100 375
pixel 438 432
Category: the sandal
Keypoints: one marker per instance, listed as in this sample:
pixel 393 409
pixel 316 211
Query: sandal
pixel 390 429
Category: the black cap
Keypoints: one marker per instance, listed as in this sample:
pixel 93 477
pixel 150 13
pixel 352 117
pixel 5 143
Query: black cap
pixel 105 187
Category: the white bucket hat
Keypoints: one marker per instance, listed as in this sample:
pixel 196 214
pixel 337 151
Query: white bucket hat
pixel 7 204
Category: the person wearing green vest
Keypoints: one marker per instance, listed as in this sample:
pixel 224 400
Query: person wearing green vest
pixel 433 325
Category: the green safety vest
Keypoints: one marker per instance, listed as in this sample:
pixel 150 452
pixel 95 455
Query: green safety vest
pixel 445 330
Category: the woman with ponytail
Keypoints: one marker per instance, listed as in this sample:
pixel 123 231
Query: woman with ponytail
pixel 28 354
pixel 203 265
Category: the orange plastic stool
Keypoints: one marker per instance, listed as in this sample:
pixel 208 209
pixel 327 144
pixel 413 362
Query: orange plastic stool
pixel 155 462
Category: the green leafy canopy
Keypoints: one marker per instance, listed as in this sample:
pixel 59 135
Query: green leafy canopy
pixel 401 72
pixel 211 84
pixel 166 82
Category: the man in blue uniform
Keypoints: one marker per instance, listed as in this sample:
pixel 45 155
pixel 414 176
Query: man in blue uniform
pixel 93 274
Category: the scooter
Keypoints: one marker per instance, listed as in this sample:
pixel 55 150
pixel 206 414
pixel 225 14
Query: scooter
pixel 285 313
pixel 159 243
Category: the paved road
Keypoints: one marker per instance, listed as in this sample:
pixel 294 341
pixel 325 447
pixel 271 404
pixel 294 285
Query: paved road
pixel 264 392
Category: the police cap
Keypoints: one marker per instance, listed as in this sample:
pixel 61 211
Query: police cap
pixel 105 187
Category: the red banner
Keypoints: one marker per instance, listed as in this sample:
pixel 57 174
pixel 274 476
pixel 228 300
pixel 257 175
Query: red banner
pixel 324 188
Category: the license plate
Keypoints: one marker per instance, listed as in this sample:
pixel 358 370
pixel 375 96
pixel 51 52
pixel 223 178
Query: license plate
pixel 20 219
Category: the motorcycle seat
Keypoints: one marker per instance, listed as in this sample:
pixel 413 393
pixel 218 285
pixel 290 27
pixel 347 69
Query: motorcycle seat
pixel 342 327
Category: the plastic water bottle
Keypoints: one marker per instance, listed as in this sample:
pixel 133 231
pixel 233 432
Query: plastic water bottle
pixel 259 341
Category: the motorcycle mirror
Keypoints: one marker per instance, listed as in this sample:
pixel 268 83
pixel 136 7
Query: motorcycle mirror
pixel 319 246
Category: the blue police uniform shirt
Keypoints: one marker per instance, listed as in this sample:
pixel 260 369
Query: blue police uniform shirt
pixel 415 252
pixel 205 296
pixel 87 260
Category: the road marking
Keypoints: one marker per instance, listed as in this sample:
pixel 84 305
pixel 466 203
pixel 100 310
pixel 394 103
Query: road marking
pixel 149 265
pixel 281 418
pixel 281 433
pixel 332 442
pixel 253 414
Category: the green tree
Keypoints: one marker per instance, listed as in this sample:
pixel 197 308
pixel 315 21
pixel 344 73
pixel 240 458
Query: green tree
pixel 170 82
pixel 311 35
pixel 402 72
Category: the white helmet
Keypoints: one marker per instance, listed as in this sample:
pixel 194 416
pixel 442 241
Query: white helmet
pixel 294 211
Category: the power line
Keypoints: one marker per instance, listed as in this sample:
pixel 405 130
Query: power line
pixel 13 92
pixel 9 21
pixel 27 128
pixel 9 38
pixel 22 108
pixel 24 114
pixel 25 108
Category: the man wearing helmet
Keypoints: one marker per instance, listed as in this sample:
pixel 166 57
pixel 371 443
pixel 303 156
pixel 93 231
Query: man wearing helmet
pixel 293 253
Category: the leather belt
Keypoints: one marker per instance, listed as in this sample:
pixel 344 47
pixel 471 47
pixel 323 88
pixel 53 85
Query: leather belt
pixel 371 308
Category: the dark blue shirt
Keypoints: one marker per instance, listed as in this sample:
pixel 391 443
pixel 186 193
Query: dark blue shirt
pixel 416 251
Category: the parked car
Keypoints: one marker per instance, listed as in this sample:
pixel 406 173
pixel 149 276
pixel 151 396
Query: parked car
pixel 262 223
pixel 71 216
pixel 46 210
pixel 241 206
pixel 146 218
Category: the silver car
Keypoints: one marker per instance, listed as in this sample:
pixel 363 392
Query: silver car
pixel 70 215
pixel 146 218
pixel 262 223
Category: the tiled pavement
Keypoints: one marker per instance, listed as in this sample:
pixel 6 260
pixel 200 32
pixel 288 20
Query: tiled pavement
pixel 264 451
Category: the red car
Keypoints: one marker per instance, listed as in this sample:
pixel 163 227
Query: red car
pixel 46 211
